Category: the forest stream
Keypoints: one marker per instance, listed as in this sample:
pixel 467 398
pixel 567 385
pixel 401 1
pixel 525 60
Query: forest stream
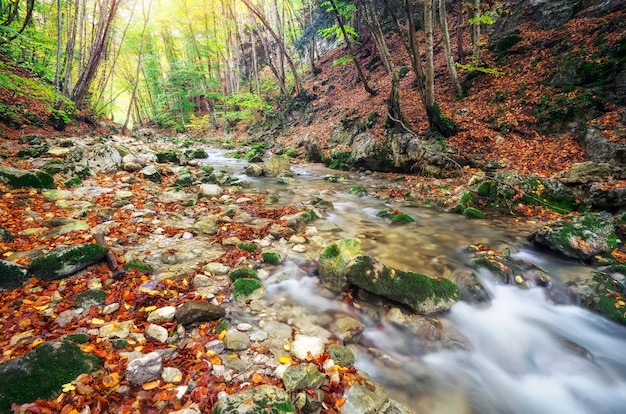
pixel 517 353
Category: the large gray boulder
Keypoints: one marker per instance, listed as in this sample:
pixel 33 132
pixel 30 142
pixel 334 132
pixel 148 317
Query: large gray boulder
pixel 66 260
pixel 590 171
pixel 599 148
pixel 578 236
pixel 369 397
pixel 264 399
pixel 198 311
pixel 99 158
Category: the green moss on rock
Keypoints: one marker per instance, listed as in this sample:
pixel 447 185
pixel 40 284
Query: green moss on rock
pixel 247 247
pixel 473 213
pixel 5 235
pixel 66 260
pixel 271 257
pixel 606 298
pixel 41 373
pixel 26 178
pixel 422 293
pixel 91 297
pixel 333 261
pixel 11 275
pixel 264 399
pixel 244 289
pixel 142 267
pixel 242 273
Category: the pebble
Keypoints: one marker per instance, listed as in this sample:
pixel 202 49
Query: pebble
pixel 258 336
pixel 187 235
pixel 157 333
pixel 244 327
pixel 110 308
pixel 171 375
pixel 164 314
pixel 300 248
pixel 216 346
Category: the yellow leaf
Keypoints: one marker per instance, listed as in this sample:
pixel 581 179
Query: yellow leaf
pixel 222 334
pixel 7 254
pixel 97 321
pixel 284 360
pixel 149 308
pixel 216 360
pixel 68 387
pixel 37 343
pixel 150 385
pixel 42 307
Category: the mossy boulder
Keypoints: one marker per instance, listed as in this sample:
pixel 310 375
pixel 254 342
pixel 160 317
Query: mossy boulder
pixel 333 262
pixel 66 260
pixel 270 257
pixel 604 295
pixel 91 297
pixel 276 165
pixel 5 235
pixel 264 399
pixel 42 373
pixel 243 273
pixel 298 377
pixel 395 216
pixel 11 275
pixel 16 178
pixel 507 190
pixel 247 289
pixel 578 236
pixel 422 293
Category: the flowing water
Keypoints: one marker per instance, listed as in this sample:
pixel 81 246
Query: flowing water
pixel 519 353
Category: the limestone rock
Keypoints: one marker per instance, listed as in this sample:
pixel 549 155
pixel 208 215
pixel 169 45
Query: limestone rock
pixel 145 369
pixel 210 190
pixel 164 314
pixel 236 340
pixel 306 347
pixel 253 170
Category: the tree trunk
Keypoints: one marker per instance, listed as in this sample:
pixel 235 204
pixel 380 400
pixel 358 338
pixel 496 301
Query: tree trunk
pixel 394 114
pixel 57 73
pixel 279 42
pixel 102 36
pixel 476 32
pixel 454 77
pixel 437 120
pixel 146 18
pixel 355 60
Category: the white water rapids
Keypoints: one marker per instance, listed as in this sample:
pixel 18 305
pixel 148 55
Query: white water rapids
pixel 518 353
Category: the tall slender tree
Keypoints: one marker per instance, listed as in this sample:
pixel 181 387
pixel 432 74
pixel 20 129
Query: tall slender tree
pixel 454 77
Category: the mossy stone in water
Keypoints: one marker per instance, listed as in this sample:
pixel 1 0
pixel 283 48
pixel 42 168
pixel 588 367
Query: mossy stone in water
pixel 41 373
pixel 16 178
pixel 271 257
pixel 244 289
pixel 66 260
pixel 11 275
pixel 243 273
pixel 342 355
pixel 473 213
pixel 422 293
pixel 606 298
pixel 333 261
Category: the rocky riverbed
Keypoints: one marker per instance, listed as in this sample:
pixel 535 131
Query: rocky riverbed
pixel 211 299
